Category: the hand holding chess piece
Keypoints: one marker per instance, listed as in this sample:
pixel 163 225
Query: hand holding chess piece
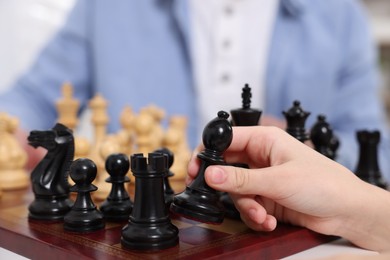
pixel 244 116
pixel 199 201
pixel 289 182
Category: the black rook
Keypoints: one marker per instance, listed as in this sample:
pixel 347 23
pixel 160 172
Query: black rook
pixel 368 167
pixel 149 226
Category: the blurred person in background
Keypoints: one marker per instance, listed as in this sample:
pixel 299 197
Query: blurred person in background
pixel 193 58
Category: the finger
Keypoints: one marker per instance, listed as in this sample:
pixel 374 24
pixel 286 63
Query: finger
pixel 242 148
pixel 253 213
pixel 193 166
pixel 269 223
pixel 245 148
pixel 243 181
pixel 250 217
pixel 260 146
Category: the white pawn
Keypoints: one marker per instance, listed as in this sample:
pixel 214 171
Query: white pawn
pixel 126 134
pixel 68 107
pixel 99 118
pixel 109 146
pixel 13 158
pixel 175 140
pixel 158 115
pixel 144 124
pixel 119 142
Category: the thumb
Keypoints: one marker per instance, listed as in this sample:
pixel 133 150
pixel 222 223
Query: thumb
pixel 244 181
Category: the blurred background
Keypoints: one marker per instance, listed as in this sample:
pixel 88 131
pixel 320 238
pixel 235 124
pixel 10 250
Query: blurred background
pixel 379 14
pixel 25 25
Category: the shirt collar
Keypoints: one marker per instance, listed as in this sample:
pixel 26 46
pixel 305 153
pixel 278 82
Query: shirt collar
pixel 293 7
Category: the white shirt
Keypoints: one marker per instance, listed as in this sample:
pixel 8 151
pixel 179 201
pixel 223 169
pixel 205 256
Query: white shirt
pixel 230 41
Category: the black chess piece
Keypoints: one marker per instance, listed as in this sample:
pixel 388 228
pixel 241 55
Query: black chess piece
pixel 245 116
pixel 368 166
pixel 149 226
pixel 296 118
pixel 168 191
pixel 84 216
pixel 117 206
pixel 230 209
pixel 323 138
pixel 199 201
pixel 50 177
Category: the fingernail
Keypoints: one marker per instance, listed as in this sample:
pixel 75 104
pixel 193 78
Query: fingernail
pixel 218 176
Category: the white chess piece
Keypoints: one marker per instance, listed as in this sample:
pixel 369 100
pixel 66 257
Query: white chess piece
pixel 13 158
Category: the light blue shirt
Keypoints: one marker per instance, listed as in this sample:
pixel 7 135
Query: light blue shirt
pixel 137 53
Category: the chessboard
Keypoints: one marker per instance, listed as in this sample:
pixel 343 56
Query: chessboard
pixel 229 240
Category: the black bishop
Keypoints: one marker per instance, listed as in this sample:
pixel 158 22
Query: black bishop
pixel 199 201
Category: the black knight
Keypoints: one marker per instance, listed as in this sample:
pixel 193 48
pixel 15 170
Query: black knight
pixel 50 177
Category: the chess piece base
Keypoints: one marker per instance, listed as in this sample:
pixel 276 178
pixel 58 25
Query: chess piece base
pixel 230 209
pixel 83 221
pixel 116 210
pixel 198 205
pixel 152 237
pixel 51 208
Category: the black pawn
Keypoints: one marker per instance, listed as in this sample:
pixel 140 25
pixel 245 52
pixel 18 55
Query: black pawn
pixel 168 191
pixel 117 206
pixel 245 116
pixel 368 166
pixel 149 226
pixel 84 216
pixel 199 201
pixel 296 118
pixel 323 138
